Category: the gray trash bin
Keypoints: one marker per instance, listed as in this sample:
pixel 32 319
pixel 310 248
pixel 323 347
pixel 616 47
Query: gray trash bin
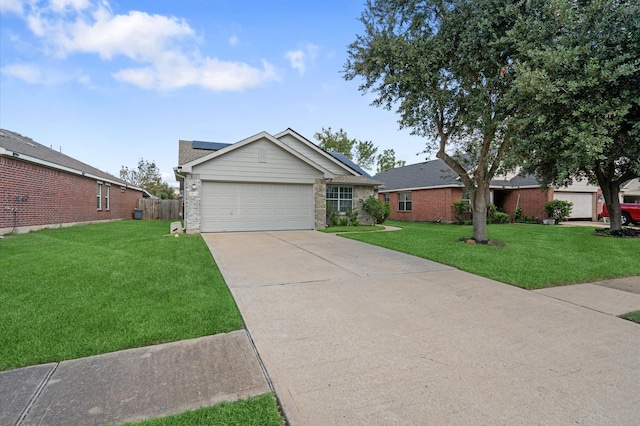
pixel 137 214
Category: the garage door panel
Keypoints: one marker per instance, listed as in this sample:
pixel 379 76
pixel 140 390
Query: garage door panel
pixel 582 203
pixel 229 206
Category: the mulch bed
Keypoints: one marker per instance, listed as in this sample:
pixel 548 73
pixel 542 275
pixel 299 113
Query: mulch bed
pixel 623 233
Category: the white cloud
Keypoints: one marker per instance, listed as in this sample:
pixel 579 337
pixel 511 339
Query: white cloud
pixel 36 74
pixel 164 47
pixel 12 6
pixel 212 74
pixel 62 5
pixel 29 73
pixel 298 59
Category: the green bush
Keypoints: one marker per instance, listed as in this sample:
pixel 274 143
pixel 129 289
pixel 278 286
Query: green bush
pixel 378 210
pixel 517 216
pixel 462 210
pixel 558 210
pixel 499 217
pixel 352 217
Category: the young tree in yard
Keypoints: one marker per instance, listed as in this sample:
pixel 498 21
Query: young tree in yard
pixel 387 160
pixel 579 86
pixel 445 66
pixel 363 153
pixel 147 176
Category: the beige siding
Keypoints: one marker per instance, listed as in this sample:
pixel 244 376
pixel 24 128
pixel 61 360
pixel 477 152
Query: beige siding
pixel 314 156
pixel 260 161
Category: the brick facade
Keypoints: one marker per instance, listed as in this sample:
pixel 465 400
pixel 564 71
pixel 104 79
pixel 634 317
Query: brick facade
pixel 430 205
pixel 427 205
pixel 33 197
pixel 532 201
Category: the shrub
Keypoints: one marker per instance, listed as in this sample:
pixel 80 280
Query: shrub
pixel 462 210
pixel 558 210
pixel 499 217
pixel 352 217
pixel 378 210
pixel 517 216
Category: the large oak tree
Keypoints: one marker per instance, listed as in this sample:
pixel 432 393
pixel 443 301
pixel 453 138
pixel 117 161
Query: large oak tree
pixel 443 65
pixel 578 85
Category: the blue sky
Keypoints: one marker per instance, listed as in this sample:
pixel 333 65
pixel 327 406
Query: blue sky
pixel 110 82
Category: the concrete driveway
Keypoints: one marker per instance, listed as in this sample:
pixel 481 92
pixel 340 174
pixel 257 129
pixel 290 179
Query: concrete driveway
pixel 352 334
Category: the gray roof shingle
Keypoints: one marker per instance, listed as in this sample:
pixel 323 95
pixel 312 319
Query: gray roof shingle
pixel 436 173
pixel 422 175
pixel 20 144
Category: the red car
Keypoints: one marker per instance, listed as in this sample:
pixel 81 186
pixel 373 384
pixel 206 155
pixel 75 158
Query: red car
pixel 630 213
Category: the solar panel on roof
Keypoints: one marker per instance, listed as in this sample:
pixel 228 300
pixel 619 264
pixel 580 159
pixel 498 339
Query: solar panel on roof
pixel 211 146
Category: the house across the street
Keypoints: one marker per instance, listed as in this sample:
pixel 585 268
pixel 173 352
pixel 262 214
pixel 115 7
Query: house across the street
pixel 426 192
pixel 41 187
pixel 267 182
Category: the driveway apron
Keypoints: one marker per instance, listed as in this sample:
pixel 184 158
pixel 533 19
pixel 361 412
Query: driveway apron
pixel 354 334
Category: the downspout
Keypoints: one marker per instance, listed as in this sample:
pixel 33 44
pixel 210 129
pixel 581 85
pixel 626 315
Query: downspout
pixel 184 186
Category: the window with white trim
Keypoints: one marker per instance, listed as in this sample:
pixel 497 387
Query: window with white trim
pixel 99 196
pixel 106 196
pixel 339 198
pixel 404 201
pixel 386 197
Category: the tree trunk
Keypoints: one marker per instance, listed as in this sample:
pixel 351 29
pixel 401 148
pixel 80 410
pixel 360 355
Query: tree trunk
pixel 479 202
pixel 611 193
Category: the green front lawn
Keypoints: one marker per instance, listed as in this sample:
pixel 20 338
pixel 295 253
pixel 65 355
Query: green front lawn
pixel 535 256
pixel 259 411
pixel 632 316
pixel 363 228
pixel 85 290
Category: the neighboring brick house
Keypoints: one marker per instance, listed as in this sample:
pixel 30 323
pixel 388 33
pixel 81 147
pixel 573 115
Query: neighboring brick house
pixel 41 187
pixel 426 192
pixel 267 182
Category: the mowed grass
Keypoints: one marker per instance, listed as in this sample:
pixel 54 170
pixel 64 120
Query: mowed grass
pixel 363 228
pixel 259 411
pixel 73 292
pixel 535 256
pixel 632 316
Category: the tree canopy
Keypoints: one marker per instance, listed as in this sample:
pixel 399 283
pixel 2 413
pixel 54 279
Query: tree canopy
pixel 363 153
pixel 387 160
pixel 147 176
pixel 579 86
pixel 494 84
pixel 443 65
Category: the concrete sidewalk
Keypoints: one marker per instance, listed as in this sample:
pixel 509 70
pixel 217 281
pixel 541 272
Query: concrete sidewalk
pixel 133 385
pixel 354 334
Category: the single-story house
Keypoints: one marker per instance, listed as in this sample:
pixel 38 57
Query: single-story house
pixel 41 188
pixel 426 192
pixel 267 182
pixel 630 191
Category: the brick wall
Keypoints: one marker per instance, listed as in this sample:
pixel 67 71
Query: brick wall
pixel 427 205
pixel 433 204
pixel 532 201
pixel 35 196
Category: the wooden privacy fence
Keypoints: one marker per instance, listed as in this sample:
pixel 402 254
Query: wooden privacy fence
pixel 156 209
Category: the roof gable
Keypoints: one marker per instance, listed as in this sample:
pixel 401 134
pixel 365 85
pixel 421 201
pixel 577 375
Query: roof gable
pixel 337 159
pixel 187 167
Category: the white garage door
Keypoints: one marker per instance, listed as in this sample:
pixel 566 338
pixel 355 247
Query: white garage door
pixel 230 206
pixel 582 203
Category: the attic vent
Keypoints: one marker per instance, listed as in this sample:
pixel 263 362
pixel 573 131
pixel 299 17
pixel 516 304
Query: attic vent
pixel 262 155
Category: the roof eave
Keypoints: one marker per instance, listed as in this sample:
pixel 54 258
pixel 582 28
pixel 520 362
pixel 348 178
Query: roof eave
pixel 29 159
